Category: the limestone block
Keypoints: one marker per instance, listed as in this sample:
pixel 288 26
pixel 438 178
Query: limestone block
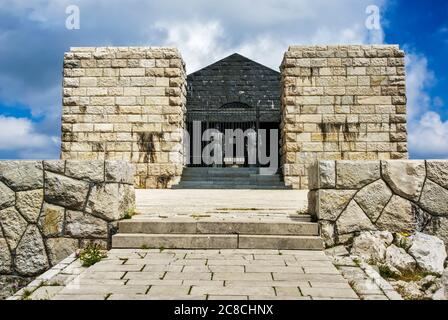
pixel 60 248
pixel 322 175
pixel 429 252
pixel 7 196
pixel 5 257
pixel 119 171
pixel 13 224
pixel 85 170
pixel 51 221
pixel 353 219
pixel 438 172
pixel 397 216
pixel 83 225
pixel 355 174
pixel 29 204
pixel 398 258
pixel 434 198
pixel 110 201
pixel 64 191
pixel 31 257
pixel 56 166
pixel 373 198
pixel 438 226
pixel 406 178
pixel 331 203
pixel 22 175
pixel 327 232
pixel 370 246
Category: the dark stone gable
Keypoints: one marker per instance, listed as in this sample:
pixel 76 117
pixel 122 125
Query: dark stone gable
pixel 230 89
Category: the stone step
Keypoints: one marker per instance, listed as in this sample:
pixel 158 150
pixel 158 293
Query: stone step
pixel 217 226
pixel 229 186
pixel 232 178
pixel 216 241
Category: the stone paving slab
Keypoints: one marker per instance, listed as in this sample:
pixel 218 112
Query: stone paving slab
pixel 139 274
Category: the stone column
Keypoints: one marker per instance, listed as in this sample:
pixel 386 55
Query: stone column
pixel 126 103
pixel 341 102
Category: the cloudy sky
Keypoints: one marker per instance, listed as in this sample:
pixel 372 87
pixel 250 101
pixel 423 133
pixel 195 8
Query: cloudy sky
pixel 33 38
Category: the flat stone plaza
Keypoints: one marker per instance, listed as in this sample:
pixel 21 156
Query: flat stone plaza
pixel 137 274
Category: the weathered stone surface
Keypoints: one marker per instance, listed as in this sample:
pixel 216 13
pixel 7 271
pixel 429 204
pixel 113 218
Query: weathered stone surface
pixel 13 226
pixel 110 201
pixel 60 248
pixel 397 216
pixel 22 175
pixel 403 241
pixel 83 225
pixel 429 252
pixel 51 220
pixel 327 232
pixel 7 196
pixel 445 282
pixel 406 178
pixel 64 191
pixel 356 174
pixel 353 219
pixel 5 257
pixel 85 170
pixel 438 227
pixel 409 290
pixel 322 175
pixel 119 171
pixel 373 198
pixel 332 202
pixel 29 204
pixel 434 198
pixel 370 247
pixel 400 259
pixel 31 258
pixel 56 166
pixel 438 171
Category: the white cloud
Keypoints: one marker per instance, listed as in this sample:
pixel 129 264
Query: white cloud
pixel 429 136
pixel 19 135
pixel 427 131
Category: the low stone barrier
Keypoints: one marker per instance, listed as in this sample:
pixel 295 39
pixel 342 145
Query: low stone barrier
pixel 400 196
pixel 48 209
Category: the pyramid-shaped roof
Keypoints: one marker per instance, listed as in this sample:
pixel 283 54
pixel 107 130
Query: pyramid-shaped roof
pixel 231 81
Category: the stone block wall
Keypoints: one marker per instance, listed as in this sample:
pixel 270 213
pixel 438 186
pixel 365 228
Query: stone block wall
pixel 48 209
pixel 126 103
pixel 341 103
pixel 348 197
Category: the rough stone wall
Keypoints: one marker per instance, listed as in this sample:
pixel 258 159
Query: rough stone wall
pixel 48 209
pixel 341 103
pixel 348 197
pixel 126 104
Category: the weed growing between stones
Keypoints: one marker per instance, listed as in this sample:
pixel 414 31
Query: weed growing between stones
pixel 129 213
pixel 91 254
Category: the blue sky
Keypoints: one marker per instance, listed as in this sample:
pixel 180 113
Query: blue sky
pixel 33 39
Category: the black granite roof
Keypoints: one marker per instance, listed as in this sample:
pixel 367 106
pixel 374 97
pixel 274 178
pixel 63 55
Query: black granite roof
pixel 230 90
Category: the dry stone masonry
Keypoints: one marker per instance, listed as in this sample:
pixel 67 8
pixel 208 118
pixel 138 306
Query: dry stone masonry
pixel 126 103
pixel 399 196
pixel 341 103
pixel 48 209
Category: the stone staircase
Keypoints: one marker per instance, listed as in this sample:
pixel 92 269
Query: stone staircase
pixel 228 178
pixel 219 219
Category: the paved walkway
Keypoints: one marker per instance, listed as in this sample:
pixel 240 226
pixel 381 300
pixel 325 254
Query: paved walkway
pixel 195 274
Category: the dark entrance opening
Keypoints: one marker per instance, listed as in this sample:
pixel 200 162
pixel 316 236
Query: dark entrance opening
pixel 234 160
pixel 233 93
